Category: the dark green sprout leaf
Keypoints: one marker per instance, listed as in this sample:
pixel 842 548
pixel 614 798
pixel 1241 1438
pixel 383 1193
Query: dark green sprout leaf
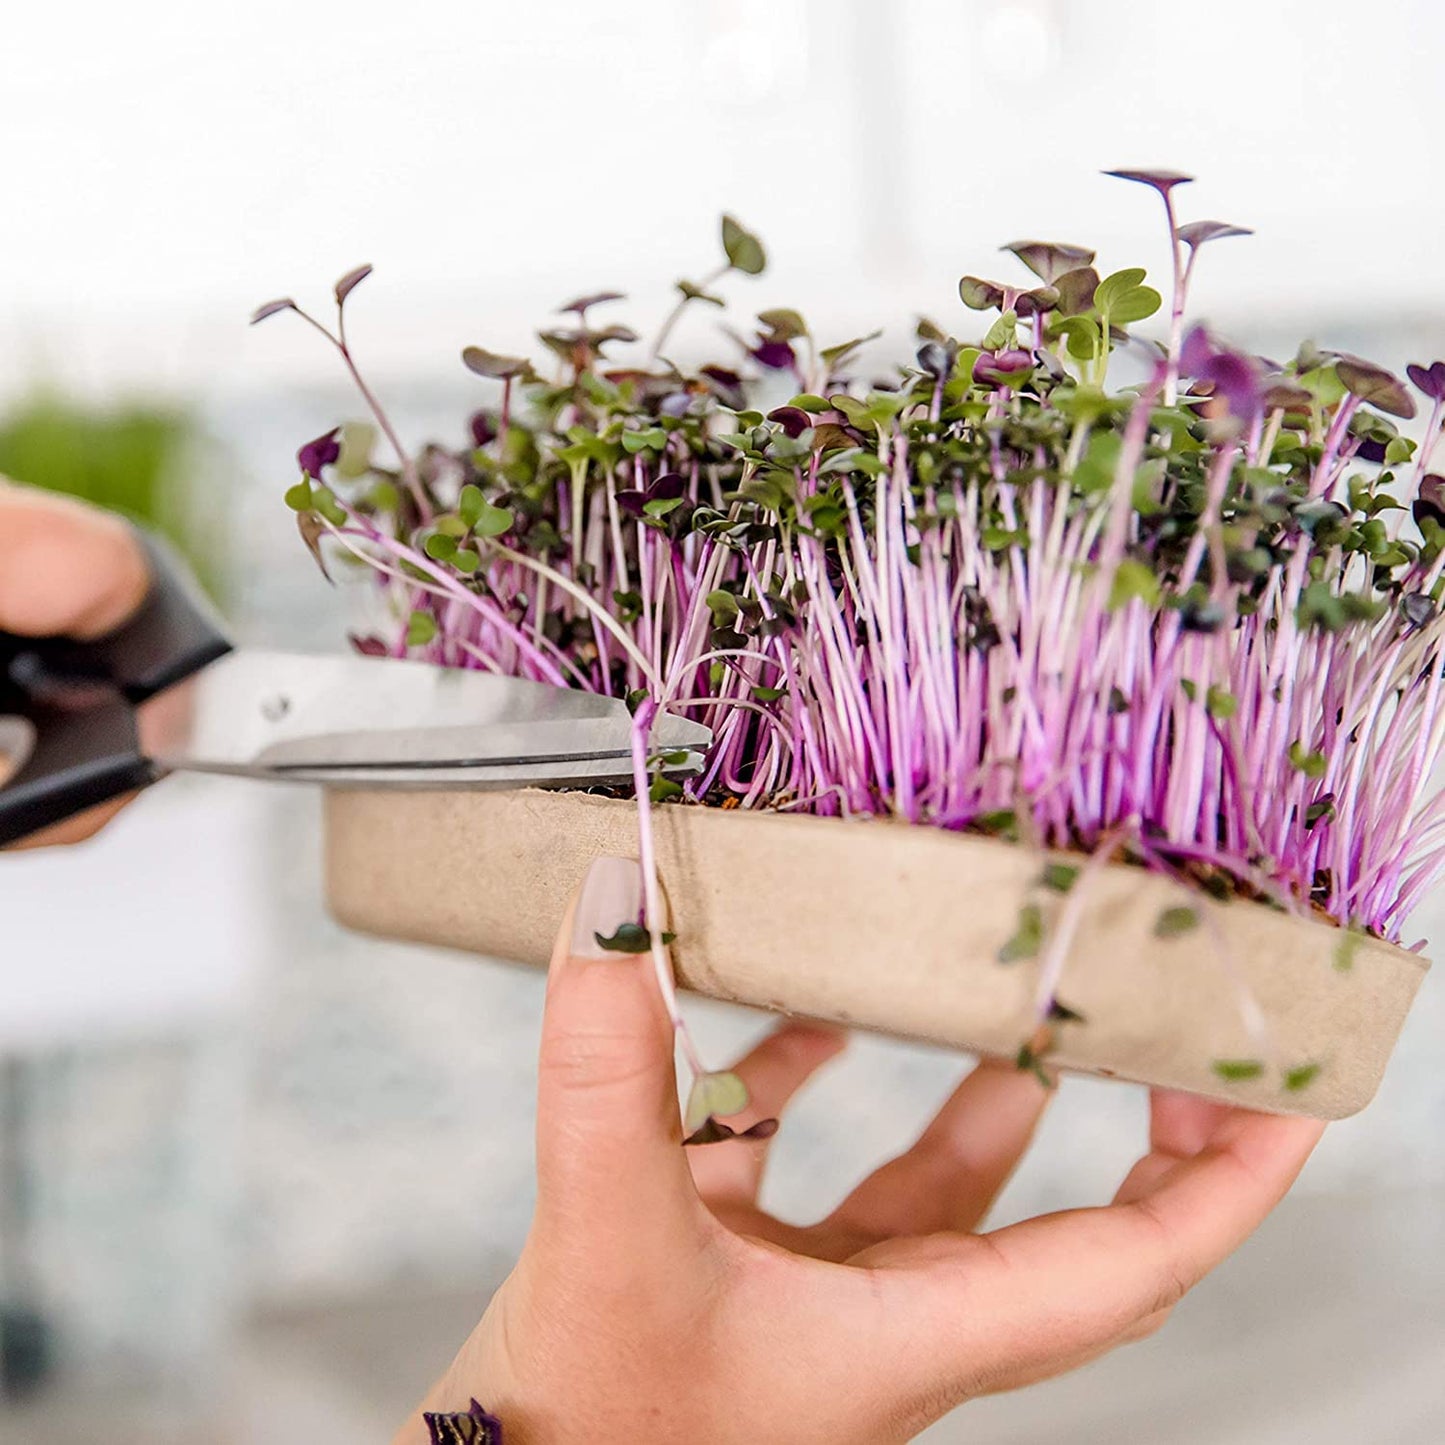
pixel 1082 337
pixel 1236 1071
pixel 1222 703
pixel 350 282
pixel 1346 947
pixel 1059 876
pixel 357 440
pixel 492 521
pixel 1133 579
pixel 488 363
pixel 1049 260
pixel 1136 304
pixel 783 323
pixel 1028 936
pixel 835 356
pixel 1312 765
pixel 466 561
pixel 440 547
pixel 1113 287
pixel 744 251
pixel 647 439
pixel 323 499
pixel 1030 1061
pixel 1001 823
pixel 1173 922
pixel 664 790
pixel 630 938
pixel 721 1093
pixel 298 498
pixel 1301 1077
pixel 421 628
pixel 807 402
pixel 723 605
pixel 693 292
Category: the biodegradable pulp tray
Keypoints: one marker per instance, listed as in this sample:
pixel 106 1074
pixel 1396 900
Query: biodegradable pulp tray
pixel 895 929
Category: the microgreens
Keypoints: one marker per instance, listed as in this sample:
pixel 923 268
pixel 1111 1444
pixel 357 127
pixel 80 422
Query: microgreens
pixel 1195 622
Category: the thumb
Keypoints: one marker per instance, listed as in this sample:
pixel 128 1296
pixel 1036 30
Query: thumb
pixel 612 1178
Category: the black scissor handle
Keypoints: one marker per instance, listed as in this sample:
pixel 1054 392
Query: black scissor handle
pixel 79 698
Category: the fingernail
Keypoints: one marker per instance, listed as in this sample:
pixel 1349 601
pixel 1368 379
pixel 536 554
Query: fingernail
pixel 611 895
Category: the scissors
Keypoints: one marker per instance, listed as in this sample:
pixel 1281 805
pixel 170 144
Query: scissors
pixel 84 722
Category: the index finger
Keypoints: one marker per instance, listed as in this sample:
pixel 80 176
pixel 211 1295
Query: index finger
pixel 66 569
pixel 1010 1302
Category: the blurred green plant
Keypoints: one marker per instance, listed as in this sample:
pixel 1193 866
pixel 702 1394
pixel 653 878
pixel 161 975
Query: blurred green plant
pixel 133 459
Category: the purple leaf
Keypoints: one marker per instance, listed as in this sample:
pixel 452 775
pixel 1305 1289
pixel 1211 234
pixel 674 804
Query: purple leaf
pixel 995 367
pixel 1231 374
pixel 937 358
pixel 584 303
pixel 793 419
pixel 1196 233
pixel 312 530
pixel 350 282
pixel 726 385
pixel 483 428
pixel 667 486
pixel 490 364
pixel 712 1131
pixel 1282 394
pixel 978 294
pixel 1040 299
pixel 368 646
pixel 1430 499
pixel 1076 290
pixel 473 1426
pixel 320 453
pixel 1430 379
pixel 1163 181
pixel 1375 385
pixel 775 355
pixel 271 308
pixel 1049 260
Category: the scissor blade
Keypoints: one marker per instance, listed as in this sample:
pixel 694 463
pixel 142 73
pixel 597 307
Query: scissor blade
pixel 574 773
pixel 282 712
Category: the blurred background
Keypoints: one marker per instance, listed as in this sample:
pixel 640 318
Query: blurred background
pixel 257 1177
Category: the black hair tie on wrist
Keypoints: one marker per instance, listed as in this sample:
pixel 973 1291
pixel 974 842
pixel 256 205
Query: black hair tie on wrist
pixel 471 1427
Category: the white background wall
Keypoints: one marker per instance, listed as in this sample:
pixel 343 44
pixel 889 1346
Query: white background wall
pixel 168 164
